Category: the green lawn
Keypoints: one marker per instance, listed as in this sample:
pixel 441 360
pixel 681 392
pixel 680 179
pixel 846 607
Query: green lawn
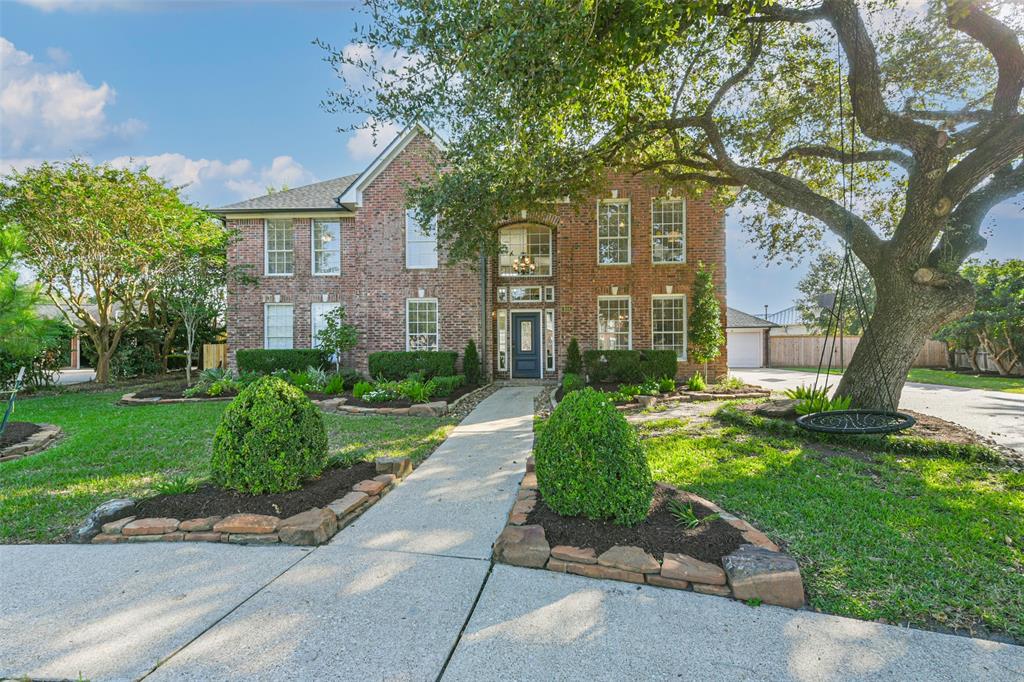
pixel 912 540
pixel 947 377
pixel 112 451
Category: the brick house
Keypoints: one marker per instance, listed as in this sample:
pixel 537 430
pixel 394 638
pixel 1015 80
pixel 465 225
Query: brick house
pixel 612 271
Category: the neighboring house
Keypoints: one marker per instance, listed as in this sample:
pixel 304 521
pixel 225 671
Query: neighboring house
pixel 612 271
pixel 747 339
pixel 789 322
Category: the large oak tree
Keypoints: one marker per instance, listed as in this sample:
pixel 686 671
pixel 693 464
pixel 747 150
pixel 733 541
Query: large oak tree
pixel 763 103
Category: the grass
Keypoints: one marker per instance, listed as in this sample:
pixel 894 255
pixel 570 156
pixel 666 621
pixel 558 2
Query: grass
pixel 946 377
pixel 926 541
pixel 112 451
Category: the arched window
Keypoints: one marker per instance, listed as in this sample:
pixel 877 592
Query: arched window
pixel 525 244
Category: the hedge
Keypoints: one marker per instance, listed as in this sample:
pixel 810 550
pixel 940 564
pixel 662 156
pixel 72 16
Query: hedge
pixel 629 366
pixel 398 365
pixel 266 361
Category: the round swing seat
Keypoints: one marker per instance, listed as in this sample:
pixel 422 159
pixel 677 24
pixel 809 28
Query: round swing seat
pixel 856 421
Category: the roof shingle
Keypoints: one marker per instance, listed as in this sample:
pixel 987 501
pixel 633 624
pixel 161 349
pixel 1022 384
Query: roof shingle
pixel 319 195
pixel 737 319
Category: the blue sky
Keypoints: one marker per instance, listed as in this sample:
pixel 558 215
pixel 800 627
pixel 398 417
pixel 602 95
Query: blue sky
pixel 226 96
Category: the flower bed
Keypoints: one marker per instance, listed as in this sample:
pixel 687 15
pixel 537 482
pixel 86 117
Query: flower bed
pixel 725 556
pixel 308 516
pixel 21 439
pixel 627 397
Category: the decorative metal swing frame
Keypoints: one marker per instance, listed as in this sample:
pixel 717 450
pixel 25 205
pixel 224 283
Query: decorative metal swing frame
pixel 855 421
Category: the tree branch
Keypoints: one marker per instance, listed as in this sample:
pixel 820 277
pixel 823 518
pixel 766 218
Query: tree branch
pixel 969 18
pixel 1002 146
pixel 865 156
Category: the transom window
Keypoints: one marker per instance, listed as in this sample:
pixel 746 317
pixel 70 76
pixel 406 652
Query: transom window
pixel 523 242
pixel 279 245
pixel 613 232
pixel 668 231
pixel 420 243
pixel 277 330
pixel 668 323
pixel 326 247
pixel 421 324
pixel 522 294
pixel 614 323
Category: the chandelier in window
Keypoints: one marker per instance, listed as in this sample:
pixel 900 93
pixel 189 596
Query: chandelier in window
pixel 523 265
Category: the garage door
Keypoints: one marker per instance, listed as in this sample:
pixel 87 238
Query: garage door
pixel 745 348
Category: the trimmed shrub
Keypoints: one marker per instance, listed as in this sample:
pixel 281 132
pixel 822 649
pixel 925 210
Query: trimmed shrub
pixel 572 382
pixel 573 359
pixel 398 365
pixel 444 386
pixel 360 389
pixel 630 366
pixel 591 463
pixel 270 439
pixel 471 364
pixel 696 382
pixel 267 361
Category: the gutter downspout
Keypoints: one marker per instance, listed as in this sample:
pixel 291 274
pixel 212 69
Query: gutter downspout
pixel 485 357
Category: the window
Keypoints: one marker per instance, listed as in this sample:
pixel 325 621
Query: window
pixel 531 241
pixel 668 323
pixel 502 341
pixel 613 221
pixel 420 247
pixel 549 294
pixel 525 336
pixel 421 324
pixel 316 315
pixel 614 323
pixel 326 247
pixel 668 231
pixel 279 244
pixel 277 330
pixel 520 294
pixel 549 340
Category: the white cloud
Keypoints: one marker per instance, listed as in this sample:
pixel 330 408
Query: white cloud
pixel 178 169
pixel 58 56
pixel 45 111
pixel 364 145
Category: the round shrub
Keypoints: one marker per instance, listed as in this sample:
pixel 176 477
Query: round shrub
pixel 590 462
pixel 270 439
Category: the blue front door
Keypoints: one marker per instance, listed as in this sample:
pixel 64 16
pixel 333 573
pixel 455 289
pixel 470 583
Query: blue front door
pixel 526 345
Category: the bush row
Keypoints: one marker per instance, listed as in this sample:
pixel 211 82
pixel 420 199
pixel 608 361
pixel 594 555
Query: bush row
pixel 266 361
pixel 397 365
pixel 630 366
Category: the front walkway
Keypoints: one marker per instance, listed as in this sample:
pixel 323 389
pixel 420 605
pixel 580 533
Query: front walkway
pixel 408 592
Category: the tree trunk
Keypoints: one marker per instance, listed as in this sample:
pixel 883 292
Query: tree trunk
pixel 906 315
pixel 103 355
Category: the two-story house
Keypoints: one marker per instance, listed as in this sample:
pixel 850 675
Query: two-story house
pixel 613 271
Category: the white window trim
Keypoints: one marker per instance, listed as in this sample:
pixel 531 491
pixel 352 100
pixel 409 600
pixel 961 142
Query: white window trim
pixel 551 250
pixel 437 306
pixel 503 313
pixel 597 315
pixel 554 342
pixel 409 215
pixel 312 248
pixel 266 250
pixel 685 235
pixel 629 229
pixel 686 322
pixel 312 318
pixel 266 323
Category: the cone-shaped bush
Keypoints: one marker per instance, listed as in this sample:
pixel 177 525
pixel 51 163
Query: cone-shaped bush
pixel 590 462
pixel 270 439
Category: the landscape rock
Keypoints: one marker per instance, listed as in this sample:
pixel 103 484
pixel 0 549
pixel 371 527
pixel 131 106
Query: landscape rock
pixel 756 537
pixel 370 487
pixel 252 538
pixel 114 527
pixel 203 536
pixel 313 527
pixel 399 466
pixel 433 409
pixel 203 524
pixel 247 524
pixel 386 479
pixel 522 546
pixel 153 526
pixel 529 481
pixel 106 512
pixel 717 590
pixel 758 573
pixel 107 539
pixel 530 464
pixel 581 555
pixel 347 504
pixel 628 558
pixel 661 581
pixel 685 567
pixel 605 572
pixel 777 409
pixel 647 401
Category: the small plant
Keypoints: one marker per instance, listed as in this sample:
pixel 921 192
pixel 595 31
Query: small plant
pixel 444 386
pixel 219 388
pixel 206 379
pixel 697 383
pixel 803 392
pixel 415 390
pixel 572 382
pixel 360 389
pixel 337 336
pixel 666 385
pixel 649 387
pixel 730 383
pixel 573 358
pixel 178 485
pixel 685 516
pixel 471 363
pixel 350 376
pixel 334 385
pixel 629 390
pixel 822 403
pixel 316 378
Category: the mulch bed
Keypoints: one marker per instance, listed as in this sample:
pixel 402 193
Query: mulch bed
pixel 16 432
pixel 657 534
pixel 403 402
pixel 681 393
pixel 210 500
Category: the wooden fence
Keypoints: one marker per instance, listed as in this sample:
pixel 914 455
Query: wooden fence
pixel 215 355
pixel 805 351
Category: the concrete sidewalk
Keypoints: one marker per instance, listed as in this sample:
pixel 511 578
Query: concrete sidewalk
pixel 408 593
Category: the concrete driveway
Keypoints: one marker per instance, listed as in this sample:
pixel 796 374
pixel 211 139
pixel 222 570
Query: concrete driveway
pixel 1000 416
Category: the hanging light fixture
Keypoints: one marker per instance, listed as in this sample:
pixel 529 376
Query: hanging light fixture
pixel 523 265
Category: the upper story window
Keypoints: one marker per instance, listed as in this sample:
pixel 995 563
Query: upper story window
pixel 326 247
pixel 421 324
pixel 613 232
pixel 668 230
pixel 614 323
pixel 668 324
pixel 420 245
pixel 277 329
pixel 279 247
pixel 526 248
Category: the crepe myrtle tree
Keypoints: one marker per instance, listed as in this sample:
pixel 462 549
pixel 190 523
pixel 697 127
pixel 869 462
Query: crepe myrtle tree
pixel 760 103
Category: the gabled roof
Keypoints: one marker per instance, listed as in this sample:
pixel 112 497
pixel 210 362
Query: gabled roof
pixel 354 194
pixel 317 196
pixel 737 319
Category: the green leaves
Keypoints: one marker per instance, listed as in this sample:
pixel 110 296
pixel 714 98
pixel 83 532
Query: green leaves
pixel 706 335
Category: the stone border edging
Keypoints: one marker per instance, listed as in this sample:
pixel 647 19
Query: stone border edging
pixel 646 402
pixel 436 408
pixel 34 444
pixel 130 399
pixel 756 571
pixel 312 527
